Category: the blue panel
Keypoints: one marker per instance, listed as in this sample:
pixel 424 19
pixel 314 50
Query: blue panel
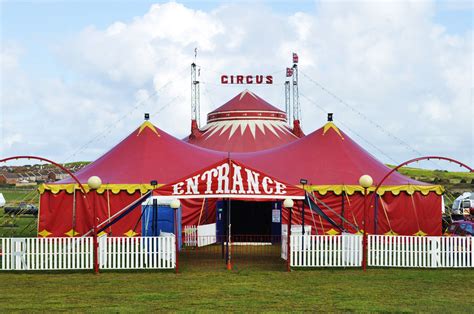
pixel 160 219
pixel 220 220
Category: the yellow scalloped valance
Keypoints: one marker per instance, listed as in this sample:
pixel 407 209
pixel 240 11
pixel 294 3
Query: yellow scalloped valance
pixel 321 189
pixel 394 189
pixel 114 188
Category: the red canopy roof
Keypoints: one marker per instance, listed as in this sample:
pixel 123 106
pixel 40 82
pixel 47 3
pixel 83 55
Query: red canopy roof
pixel 229 179
pixel 246 123
pixel 147 154
pixel 327 156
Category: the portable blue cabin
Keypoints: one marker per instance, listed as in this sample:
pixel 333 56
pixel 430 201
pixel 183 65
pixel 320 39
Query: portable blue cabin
pixel 158 217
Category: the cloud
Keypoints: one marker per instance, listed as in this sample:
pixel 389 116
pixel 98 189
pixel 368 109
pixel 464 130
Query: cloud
pixel 388 60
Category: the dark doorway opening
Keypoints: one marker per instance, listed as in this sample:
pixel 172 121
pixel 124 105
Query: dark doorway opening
pixel 251 218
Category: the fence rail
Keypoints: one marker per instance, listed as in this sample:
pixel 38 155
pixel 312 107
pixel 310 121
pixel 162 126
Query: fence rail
pixel 78 253
pixel 137 253
pixel 383 251
pixel 411 251
pixel 325 250
pixel 46 253
pixel 305 251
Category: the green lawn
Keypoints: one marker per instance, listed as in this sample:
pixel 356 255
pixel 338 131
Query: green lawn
pixel 22 225
pixel 200 289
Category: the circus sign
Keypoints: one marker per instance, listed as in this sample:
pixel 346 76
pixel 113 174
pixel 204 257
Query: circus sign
pixel 246 79
pixel 229 179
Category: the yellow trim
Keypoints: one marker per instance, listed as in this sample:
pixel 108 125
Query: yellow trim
pixel 332 232
pixel 130 233
pixel 391 233
pixel 321 189
pixel 45 233
pixel 331 125
pixel 114 188
pixel 420 233
pixel 72 233
pixel 394 189
pixel 147 124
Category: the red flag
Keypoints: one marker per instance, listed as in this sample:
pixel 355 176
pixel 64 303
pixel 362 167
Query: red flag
pixel 289 72
pixel 295 58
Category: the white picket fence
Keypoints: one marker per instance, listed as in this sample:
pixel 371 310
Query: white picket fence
pixel 137 253
pixel 190 235
pixel 383 251
pixel 326 251
pixel 200 235
pixel 46 253
pixel 78 253
pixel 412 251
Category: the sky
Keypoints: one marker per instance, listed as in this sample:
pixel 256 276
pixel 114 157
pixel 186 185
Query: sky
pixel 76 77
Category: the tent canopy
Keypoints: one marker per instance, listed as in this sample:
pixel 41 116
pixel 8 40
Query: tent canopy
pixel 331 162
pixel 246 123
pixel 147 154
pixel 229 179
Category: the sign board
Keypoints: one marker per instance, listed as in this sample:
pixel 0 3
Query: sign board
pixel 229 179
pixel 246 79
pixel 275 215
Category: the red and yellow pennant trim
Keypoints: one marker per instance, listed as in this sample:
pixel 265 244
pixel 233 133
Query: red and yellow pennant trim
pixel 394 189
pixel 321 189
pixel 113 188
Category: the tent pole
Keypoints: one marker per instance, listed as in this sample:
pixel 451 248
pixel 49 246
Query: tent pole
pixel 229 242
pixel 342 209
pixel 176 237
pixel 376 213
pixel 288 244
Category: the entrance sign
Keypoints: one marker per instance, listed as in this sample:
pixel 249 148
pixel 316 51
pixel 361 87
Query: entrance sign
pixel 230 179
pixel 246 79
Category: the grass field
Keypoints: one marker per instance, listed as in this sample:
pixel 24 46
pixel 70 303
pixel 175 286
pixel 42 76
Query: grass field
pixel 197 289
pixel 22 225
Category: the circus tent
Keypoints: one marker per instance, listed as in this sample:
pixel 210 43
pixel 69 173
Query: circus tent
pixel 246 123
pixel 127 171
pixel 332 163
pixel 328 159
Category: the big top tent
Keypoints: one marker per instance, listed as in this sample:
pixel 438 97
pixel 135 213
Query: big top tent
pixel 332 163
pixel 127 170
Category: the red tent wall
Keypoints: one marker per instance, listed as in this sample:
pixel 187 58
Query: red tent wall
pixel 57 219
pixel 402 214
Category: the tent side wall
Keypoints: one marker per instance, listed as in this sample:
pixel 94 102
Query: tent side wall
pixel 59 215
pixel 402 214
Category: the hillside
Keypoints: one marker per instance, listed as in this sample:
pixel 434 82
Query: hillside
pixel 454 182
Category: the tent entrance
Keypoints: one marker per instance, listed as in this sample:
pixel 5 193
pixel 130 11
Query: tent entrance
pixel 251 218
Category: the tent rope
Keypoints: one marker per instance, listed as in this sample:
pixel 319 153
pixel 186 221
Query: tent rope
pixel 415 211
pixel 108 209
pixel 333 211
pixel 386 213
pixel 200 213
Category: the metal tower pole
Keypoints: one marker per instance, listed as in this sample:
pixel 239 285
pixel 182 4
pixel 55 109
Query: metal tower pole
pixel 195 91
pixel 288 103
pixel 296 98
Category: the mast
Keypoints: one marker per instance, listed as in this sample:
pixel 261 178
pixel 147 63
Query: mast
pixel 288 102
pixel 296 100
pixel 195 99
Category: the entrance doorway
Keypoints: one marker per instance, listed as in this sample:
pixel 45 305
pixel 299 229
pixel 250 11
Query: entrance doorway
pixel 251 218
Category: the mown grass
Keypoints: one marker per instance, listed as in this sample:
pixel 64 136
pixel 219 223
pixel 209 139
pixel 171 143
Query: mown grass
pixel 21 225
pixel 14 196
pixel 437 175
pixel 200 289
